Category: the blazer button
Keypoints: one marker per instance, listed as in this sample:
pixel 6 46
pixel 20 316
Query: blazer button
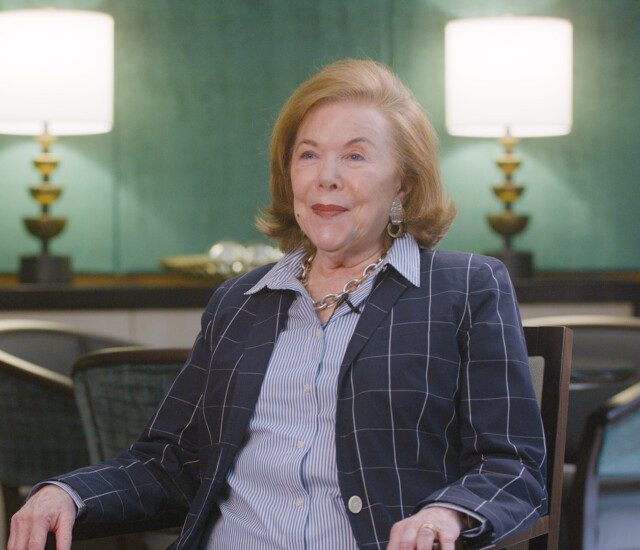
pixel 355 504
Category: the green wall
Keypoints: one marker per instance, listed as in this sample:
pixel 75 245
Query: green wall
pixel 198 86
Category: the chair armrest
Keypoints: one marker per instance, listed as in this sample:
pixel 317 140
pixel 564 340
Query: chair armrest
pixel 130 354
pixel 540 527
pixel 35 374
pixel 620 405
pixel 588 379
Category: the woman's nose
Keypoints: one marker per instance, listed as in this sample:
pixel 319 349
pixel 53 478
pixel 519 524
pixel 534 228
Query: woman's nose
pixel 329 175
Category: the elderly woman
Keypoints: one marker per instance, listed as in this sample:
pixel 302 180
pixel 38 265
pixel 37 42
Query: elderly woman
pixel 366 391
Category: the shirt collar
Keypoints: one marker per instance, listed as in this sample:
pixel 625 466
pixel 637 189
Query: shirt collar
pixel 283 275
pixel 403 256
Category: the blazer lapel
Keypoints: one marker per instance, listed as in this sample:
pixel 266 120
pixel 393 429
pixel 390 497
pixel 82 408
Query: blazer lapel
pixel 271 317
pixel 387 289
pixel 270 309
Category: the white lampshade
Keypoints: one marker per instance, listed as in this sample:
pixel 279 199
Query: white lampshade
pixel 56 67
pixel 510 73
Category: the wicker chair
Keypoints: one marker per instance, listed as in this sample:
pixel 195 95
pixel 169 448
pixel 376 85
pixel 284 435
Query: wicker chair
pixel 117 391
pixel 40 433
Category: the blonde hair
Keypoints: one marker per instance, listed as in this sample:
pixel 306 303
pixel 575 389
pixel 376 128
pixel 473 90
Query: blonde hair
pixel 428 212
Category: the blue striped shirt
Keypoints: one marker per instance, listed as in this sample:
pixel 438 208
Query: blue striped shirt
pixel 283 488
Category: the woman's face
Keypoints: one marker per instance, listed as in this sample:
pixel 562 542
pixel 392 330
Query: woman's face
pixel 344 177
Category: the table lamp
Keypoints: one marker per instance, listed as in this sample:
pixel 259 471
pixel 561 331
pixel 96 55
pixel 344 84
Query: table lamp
pixel 509 77
pixel 56 79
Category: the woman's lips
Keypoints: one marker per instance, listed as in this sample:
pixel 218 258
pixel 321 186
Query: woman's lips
pixel 328 210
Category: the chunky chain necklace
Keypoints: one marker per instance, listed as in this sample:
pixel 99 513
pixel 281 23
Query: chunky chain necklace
pixel 332 299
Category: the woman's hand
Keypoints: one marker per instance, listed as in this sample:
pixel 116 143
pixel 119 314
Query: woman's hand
pixel 49 509
pixel 421 530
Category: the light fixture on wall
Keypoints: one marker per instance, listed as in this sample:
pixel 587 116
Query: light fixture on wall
pixel 56 79
pixel 509 77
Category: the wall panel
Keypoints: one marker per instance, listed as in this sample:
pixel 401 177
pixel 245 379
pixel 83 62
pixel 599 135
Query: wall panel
pixel 198 86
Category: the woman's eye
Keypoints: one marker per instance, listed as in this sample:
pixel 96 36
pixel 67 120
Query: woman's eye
pixel 305 155
pixel 356 156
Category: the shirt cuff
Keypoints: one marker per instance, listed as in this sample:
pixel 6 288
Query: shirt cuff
pixel 80 506
pixel 471 532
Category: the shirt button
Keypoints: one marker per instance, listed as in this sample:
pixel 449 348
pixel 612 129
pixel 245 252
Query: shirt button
pixel 301 444
pixel 319 333
pixel 355 504
pixel 299 503
pixel 307 388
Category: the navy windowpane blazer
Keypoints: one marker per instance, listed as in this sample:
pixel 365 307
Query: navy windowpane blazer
pixel 435 403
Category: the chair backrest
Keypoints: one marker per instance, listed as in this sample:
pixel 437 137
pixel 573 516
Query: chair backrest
pixel 599 341
pixel 117 391
pixel 549 350
pixel 51 345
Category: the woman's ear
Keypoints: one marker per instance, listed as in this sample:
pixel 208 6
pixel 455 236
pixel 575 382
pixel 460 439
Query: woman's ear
pixel 403 192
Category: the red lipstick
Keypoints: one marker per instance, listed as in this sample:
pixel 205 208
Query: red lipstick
pixel 327 210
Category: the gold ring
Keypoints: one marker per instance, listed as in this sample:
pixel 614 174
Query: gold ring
pixel 429 526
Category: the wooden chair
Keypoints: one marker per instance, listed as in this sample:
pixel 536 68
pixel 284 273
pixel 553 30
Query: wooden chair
pixel 111 372
pixel 40 433
pixel 605 497
pixel 549 351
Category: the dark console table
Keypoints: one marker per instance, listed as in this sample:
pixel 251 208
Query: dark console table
pixel 166 291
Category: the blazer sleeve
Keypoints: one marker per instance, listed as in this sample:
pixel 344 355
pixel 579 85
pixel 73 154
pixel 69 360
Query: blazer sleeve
pixel 502 448
pixel 154 482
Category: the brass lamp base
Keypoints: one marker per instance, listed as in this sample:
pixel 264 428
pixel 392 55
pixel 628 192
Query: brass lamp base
pixel 507 223
pixel 44 226
pixel 519 264
pixel 45 269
